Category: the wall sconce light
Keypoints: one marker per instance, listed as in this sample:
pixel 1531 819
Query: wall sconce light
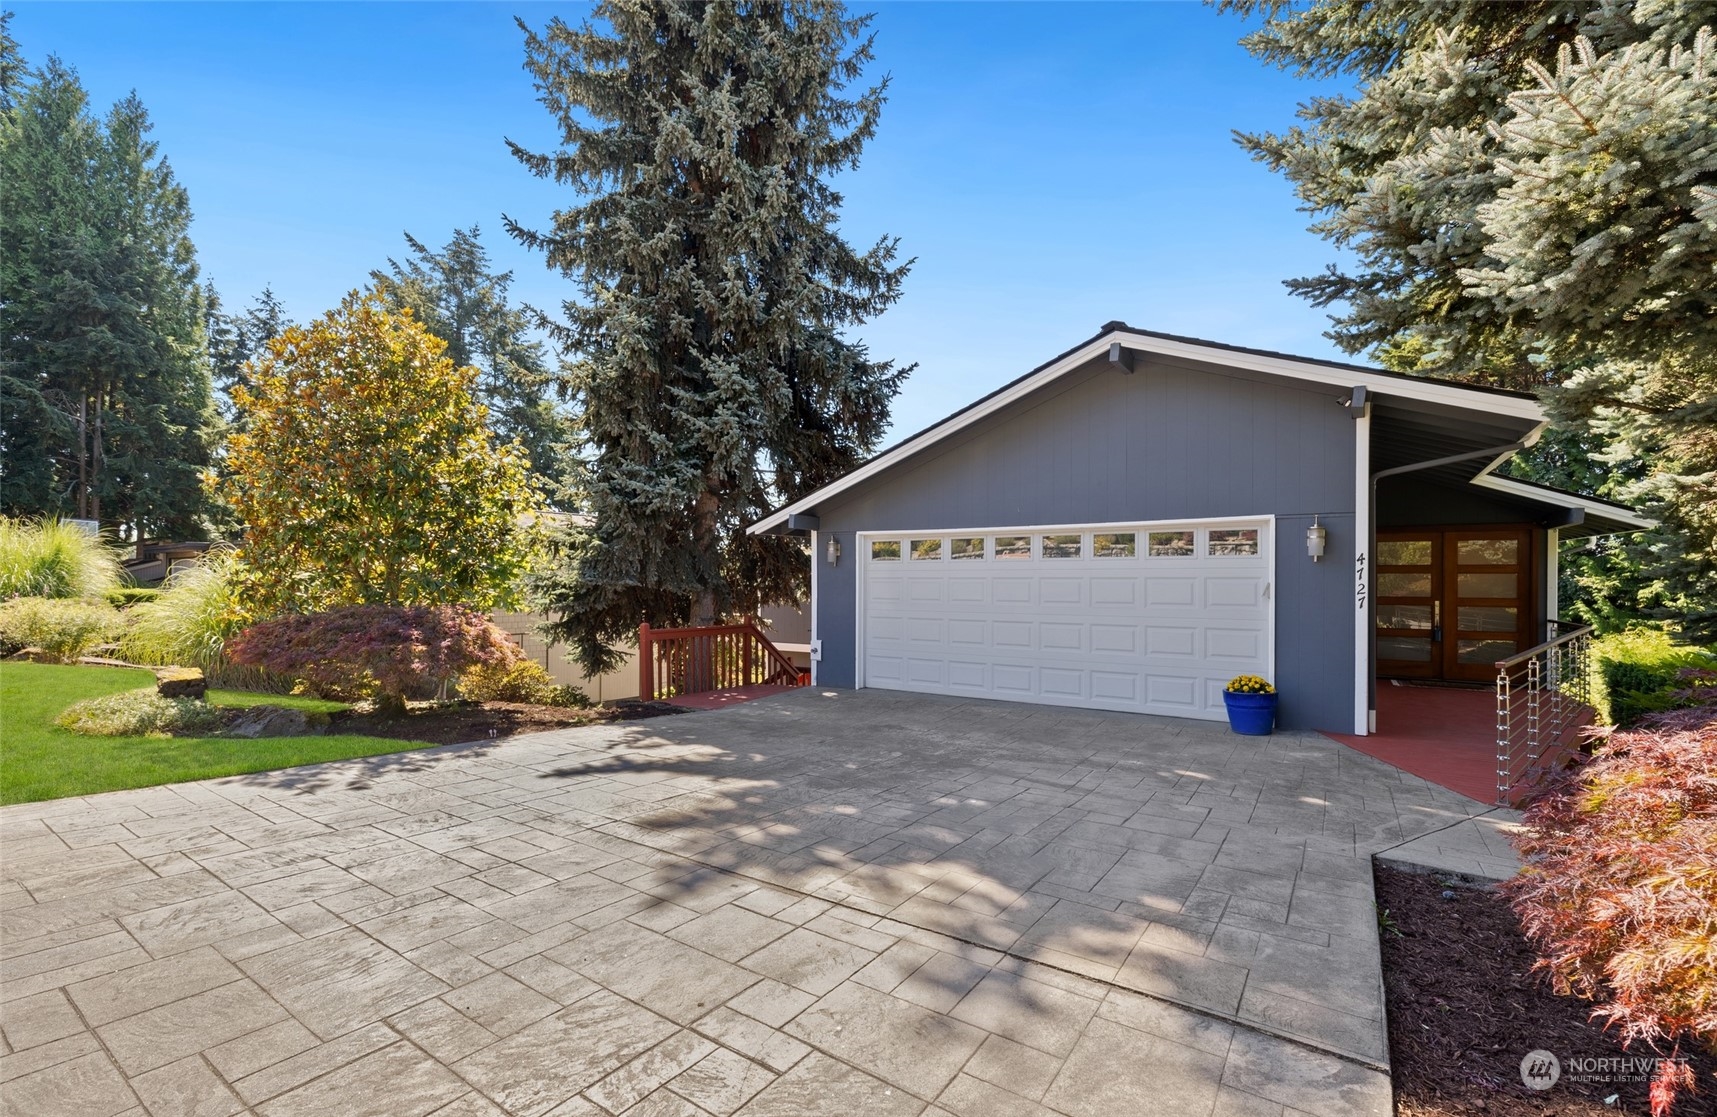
pixel 834 551
pixel 1317 537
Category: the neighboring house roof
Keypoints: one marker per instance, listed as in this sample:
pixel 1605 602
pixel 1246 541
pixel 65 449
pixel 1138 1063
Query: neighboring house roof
pixel 1519 412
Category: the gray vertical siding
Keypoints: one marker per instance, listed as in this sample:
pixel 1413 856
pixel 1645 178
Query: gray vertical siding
pixel 1175 440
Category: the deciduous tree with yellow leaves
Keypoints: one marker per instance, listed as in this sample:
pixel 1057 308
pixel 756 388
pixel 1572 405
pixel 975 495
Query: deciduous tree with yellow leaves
pixel 366 473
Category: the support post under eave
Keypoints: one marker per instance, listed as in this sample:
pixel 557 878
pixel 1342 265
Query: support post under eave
pixel 1363 497
pixel 816 561
pixel 1552 576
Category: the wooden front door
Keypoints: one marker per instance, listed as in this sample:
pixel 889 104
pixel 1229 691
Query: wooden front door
pixel 1451 602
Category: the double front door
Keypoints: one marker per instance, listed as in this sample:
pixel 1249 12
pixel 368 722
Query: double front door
pixel 1450 603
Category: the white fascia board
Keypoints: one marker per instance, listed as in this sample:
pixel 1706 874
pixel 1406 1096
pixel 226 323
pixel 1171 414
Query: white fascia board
pixel 936 434
pixel 1487 479
pixel 1379 383
pixel 1566 500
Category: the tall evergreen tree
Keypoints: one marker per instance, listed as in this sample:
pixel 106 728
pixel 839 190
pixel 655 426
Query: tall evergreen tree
pixel 713 376
pixel 456 295
pixel 1529 192
pixel 104 380
pixel 237 339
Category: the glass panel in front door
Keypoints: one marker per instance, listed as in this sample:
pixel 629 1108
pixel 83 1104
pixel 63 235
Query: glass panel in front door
pixel 1409 609
pixel 1489 576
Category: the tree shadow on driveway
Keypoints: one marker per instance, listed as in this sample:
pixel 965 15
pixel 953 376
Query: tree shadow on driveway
pixel 1166 857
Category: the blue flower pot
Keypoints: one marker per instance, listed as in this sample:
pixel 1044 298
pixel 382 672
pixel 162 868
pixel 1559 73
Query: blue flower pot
pixel 1253 715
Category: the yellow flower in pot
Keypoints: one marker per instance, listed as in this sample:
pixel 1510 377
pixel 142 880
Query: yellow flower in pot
pixel 1251 704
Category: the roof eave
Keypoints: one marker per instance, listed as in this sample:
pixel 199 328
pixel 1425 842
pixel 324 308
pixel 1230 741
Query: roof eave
pixel 1376 381
pixel 1598 509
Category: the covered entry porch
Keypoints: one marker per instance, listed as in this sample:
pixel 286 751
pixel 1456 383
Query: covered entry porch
pixel 1444 734
pixel 1464 561
pixel 1465 579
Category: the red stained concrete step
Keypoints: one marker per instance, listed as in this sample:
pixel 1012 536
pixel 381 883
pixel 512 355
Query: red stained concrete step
pixel 1444 734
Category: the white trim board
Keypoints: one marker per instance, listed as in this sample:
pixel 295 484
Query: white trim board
pixel 815 648
pixel 1552 576
pixel 1105 526
pixel 1489 480
pixel 1379 383
pixel 1363 494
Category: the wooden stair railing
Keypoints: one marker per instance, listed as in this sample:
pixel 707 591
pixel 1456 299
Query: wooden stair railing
pixel 676 661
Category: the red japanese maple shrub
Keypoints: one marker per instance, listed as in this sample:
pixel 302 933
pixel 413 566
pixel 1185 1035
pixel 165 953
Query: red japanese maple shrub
pixel 390 649
pixel 1619 894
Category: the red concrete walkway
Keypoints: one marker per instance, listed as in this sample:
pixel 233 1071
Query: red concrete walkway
pixel 716 699
pixel 1443 734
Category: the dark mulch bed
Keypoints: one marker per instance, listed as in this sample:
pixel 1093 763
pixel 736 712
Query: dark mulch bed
pixel 458 722
pixel 1465 1008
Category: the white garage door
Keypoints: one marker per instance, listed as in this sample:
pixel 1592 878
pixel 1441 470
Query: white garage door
pixel 1150 618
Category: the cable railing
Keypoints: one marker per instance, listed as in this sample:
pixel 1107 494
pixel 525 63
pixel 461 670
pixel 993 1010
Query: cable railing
pixel 1543 701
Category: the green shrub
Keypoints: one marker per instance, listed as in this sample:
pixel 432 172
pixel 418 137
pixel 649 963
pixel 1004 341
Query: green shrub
pixel 54 558
pixel 569 696
pixel 63 628
pixel 139 713
pixel 126 596
pixel 522 681
pixel 1636 672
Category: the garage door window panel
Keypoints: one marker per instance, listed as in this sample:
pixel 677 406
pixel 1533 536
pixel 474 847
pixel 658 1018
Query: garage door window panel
pixel 1114 545
pixel 1171 544
pixel 966 548
pixel 1233 542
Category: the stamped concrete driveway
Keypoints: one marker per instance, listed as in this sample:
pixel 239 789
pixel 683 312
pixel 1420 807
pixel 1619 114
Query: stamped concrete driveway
pixel 821 903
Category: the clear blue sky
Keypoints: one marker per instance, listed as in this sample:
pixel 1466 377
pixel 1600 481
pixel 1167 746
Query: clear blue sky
pixel 1051 166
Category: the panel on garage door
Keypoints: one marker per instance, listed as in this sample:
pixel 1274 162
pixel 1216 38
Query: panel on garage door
pixel 1151 618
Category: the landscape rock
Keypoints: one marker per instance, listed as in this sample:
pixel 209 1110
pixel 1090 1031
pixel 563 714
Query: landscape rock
pixel 276 721
pixel 180 682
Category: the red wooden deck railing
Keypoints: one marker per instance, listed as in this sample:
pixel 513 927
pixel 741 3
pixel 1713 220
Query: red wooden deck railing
pixel 676 661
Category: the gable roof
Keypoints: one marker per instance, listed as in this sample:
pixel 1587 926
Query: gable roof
pixel 1470 397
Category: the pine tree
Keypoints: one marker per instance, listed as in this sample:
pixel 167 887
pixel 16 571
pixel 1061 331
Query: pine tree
pixel 105 378
pixel 459 299
pixel 713 375
pixel 235 340
pixel 1530 195
pixel 31 427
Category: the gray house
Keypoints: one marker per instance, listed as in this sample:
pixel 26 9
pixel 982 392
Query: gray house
pixel 1137 521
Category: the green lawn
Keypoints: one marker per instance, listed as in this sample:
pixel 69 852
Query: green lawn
pixel 219 697
pixel 39 760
